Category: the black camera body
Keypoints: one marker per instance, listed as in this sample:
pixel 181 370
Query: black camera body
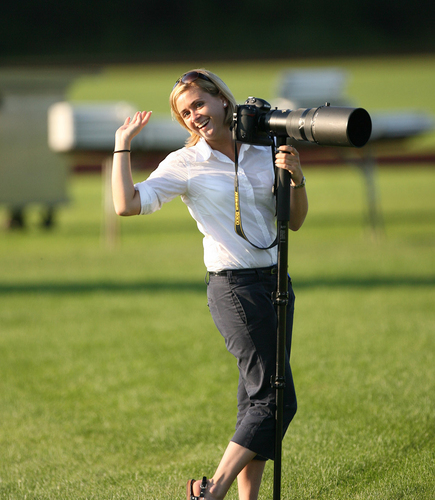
pixel 255 122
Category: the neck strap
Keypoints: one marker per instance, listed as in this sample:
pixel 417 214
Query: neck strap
pixel 238 214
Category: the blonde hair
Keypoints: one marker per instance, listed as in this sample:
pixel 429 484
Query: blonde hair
pixel 215 87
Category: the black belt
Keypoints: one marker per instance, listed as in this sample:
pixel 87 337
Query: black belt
pixel 268 271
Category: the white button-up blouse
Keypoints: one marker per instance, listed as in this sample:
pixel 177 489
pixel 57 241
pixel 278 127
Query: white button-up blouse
pixel 204 179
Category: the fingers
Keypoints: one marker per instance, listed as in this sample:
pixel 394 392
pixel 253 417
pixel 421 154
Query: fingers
pixel 288 150
pixel 141 118
pixel 146 115
pixel 132 126
pixel 287 157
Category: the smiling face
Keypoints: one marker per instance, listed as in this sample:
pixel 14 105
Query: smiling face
pixel 204 115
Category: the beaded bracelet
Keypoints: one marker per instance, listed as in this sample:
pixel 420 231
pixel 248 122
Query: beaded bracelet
pixel 301 185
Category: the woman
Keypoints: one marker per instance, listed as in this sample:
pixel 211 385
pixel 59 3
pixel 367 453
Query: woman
pixel 242 277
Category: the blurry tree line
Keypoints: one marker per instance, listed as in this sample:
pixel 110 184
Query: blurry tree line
pixel 89 30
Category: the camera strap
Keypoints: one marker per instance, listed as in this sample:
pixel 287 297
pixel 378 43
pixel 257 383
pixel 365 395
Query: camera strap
pixel 238 214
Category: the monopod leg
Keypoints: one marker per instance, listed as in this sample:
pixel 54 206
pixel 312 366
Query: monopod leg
pixel 281 301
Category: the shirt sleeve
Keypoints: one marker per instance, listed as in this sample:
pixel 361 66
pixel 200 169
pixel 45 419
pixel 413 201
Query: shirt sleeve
pixel 169 180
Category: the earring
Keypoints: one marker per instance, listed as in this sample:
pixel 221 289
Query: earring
pixel 225 104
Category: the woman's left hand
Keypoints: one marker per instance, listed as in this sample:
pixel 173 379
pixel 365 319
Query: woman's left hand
pixel 287 158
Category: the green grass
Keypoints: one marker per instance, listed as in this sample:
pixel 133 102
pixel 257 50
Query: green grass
pixel 115 384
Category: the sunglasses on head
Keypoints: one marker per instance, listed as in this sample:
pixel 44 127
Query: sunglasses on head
pixel 191 77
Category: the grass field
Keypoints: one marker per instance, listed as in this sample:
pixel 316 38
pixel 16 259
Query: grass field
pixel 114 383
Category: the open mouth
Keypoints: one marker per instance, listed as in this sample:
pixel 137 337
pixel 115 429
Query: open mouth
pixel 203 124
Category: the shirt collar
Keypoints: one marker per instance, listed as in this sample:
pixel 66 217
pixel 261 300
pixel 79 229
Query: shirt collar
pixel 203 150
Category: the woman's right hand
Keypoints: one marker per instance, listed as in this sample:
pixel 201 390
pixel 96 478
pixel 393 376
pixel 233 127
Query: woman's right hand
pixel 130 129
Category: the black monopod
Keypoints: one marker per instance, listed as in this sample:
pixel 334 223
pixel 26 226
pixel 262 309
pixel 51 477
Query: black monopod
pixel 256 123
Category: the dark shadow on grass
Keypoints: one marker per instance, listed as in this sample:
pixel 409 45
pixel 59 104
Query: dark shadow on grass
pixel 199 286
pixel 391 218
pixel 102 286
pixel 366 282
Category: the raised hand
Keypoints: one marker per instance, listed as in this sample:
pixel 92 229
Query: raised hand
pixel 130 128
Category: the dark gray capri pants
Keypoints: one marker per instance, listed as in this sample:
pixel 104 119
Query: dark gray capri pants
pixel 242 308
